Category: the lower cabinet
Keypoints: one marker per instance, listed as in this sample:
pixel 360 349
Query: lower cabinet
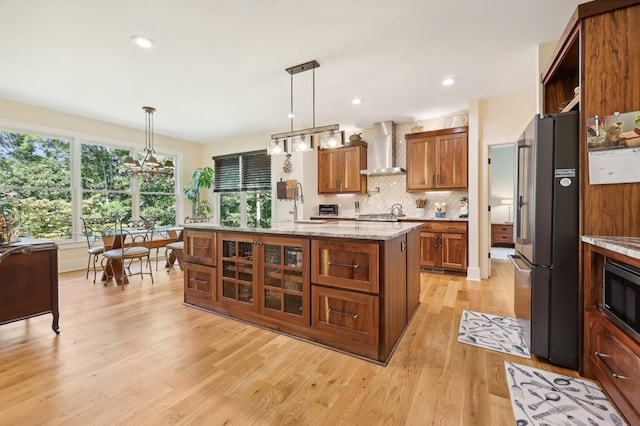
pixel 615 361
pixel 346 317
pixel 352 295
pixel 443 245
pixel 200 285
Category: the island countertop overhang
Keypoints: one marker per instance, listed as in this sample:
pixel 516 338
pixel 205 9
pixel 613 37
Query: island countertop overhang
pixel 345 229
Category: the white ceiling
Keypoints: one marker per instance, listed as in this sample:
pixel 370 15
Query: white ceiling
pixel 218 67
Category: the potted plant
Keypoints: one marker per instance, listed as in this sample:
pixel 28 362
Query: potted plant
pixel 201 178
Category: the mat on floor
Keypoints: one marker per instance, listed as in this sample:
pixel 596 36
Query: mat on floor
pixel 540 397
pixel 493 332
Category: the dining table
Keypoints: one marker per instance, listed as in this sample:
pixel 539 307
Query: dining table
pixel 162 235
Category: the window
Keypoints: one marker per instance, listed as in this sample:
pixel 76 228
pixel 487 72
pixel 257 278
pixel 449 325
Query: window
pixel 37 171
pixel 243 184
pixel 51 178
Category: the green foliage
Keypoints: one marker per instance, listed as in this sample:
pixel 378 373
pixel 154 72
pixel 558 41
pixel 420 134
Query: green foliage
pixel 201 179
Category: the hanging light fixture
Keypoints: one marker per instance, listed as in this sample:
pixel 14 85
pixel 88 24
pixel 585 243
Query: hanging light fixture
pixel 150 168
pixel 302 140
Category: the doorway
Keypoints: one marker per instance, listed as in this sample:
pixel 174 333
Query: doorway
pixel 502 175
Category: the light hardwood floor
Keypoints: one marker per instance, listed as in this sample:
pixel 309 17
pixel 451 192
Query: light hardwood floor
pixel 140 356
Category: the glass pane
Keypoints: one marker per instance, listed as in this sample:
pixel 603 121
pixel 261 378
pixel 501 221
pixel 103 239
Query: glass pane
pixel 293 304
pixel 228 269
pixel 245 293
pixel 293 280
pixel 230 209
pixel 245 272
pixel 293 256
pixel 36 171
pixel 259 209
pixel 245 250
pixel 229 289
pixel 272 255
pixel 273 277
pixel 42 214
pixel 100 168
pixel 228 248
pixel 272 299
pixel 106 204
pixel 162 208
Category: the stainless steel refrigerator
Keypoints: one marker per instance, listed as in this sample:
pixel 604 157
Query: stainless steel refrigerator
pixel 546 234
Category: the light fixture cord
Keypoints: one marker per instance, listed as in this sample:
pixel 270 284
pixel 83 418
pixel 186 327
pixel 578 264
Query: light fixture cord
pixel 314 98
pixel 291 108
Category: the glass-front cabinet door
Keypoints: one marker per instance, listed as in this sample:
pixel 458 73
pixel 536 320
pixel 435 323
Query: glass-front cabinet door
pixel 236 272
pixel 284 283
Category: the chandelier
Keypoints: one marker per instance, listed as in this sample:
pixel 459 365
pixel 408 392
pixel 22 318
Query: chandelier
pixel 150 168
pixel 301 140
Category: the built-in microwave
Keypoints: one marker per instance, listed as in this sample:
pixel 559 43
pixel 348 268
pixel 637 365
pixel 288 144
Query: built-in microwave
pixel 621 296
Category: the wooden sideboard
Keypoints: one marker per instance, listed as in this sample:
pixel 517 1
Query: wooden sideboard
pixel 29 281
pixel 502 234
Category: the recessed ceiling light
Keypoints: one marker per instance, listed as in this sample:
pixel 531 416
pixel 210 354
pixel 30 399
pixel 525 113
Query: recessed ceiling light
pixel 356 101
pixel 448 81
pixel 143 42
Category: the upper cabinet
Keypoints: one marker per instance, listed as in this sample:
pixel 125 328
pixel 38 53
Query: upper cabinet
pixel 339 170
pixel 437 159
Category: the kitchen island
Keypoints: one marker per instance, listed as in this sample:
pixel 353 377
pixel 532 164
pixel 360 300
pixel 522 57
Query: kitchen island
pixel 350 286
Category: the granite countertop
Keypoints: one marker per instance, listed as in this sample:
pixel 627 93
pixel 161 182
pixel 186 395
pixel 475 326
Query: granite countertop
pixel 317 228
pixel 628 246
pixel 403 218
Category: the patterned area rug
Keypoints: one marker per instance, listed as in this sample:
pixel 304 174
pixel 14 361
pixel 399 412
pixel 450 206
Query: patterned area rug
pixel 540 398
pixel 501 334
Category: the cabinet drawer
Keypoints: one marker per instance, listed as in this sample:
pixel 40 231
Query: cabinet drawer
pixel 350 265
pixel 200 285
pixel 616 361
pixel 200 247
pixel 445 226
pixel 346 316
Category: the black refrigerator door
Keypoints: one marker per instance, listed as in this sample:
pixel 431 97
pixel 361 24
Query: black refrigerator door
pixel 564 298
pixel 535 191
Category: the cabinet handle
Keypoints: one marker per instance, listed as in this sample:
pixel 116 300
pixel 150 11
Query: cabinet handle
pixel 22 249
pixel 433 179
pixel 199 247
pixel 602 357
pixel 344 314
pixel 346 265
pixel 403 245
pixel 193 280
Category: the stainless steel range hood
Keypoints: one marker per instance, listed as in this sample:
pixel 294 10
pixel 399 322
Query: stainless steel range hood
pixel 382 151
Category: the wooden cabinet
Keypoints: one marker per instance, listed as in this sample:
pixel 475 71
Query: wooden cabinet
pixel 361 298
pixel 346 315
pixel 199 268
pixel 349 265
pixel 284 282
pixel 437 160
pixel 200 247
pixel 339 170
pixel 29 281
pixel 609 354
pixel 502 234
pixel 443 245
pixel 265 274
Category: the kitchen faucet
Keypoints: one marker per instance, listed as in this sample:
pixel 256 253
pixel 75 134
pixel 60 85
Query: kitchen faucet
pixel 297 195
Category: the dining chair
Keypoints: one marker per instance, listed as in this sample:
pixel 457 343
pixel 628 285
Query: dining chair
pixel 130 243
pixel 93 230
pixel 178 246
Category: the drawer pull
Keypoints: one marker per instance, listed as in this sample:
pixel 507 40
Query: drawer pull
pixel 346 265
pixel 602 357
pixel 193 280
pixel 199 247
pixel 344 314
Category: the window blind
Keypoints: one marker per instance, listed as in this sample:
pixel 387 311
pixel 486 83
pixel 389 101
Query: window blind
pixel 226 177
pixel 249 171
